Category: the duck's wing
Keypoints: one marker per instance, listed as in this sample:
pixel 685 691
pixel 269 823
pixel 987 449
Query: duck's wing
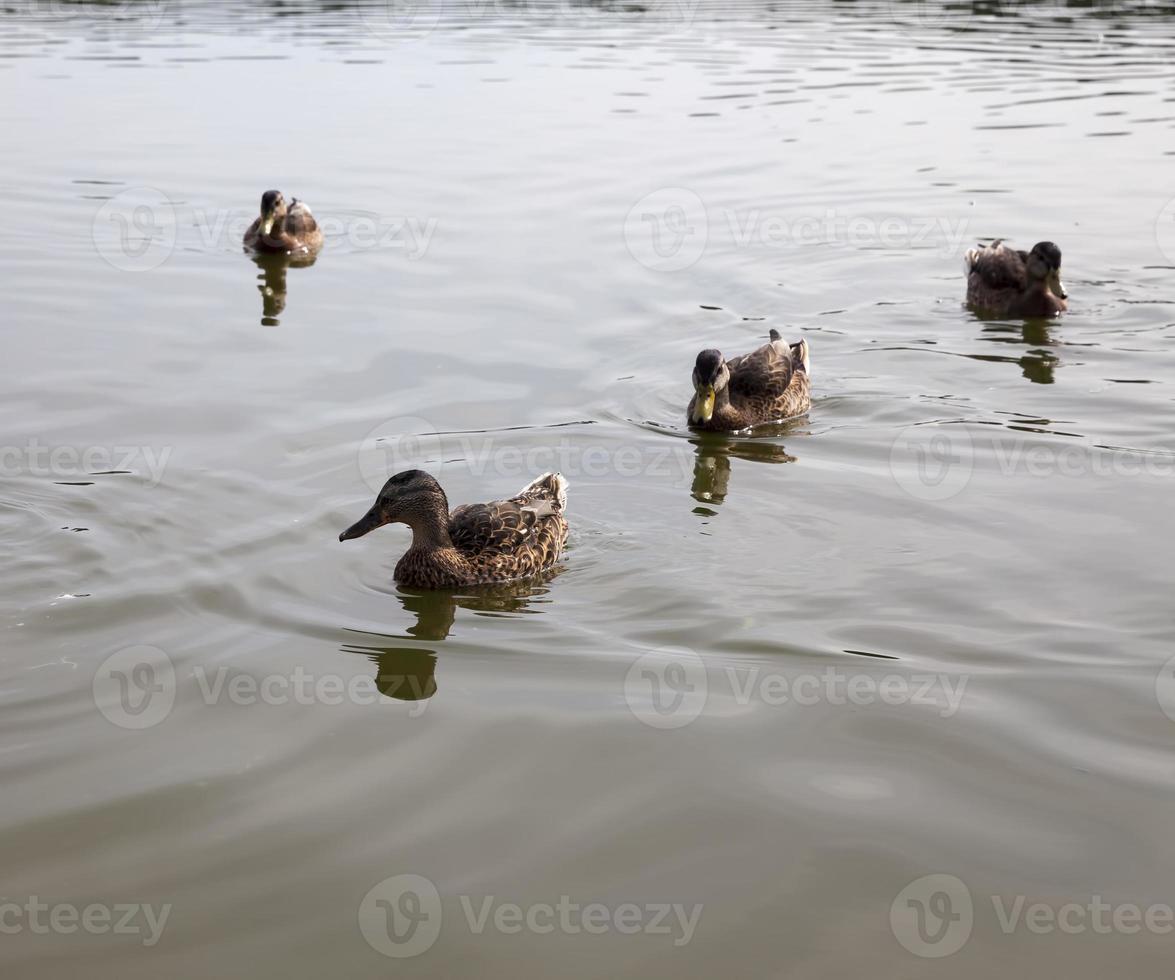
pixel 998 267
pixel 800 357
pixel 763 374
pixel 501 528
pixel 299 219
pixel 550 487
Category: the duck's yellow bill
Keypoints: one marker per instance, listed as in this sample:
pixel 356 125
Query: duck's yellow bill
pixel 267 224
pixel 704 406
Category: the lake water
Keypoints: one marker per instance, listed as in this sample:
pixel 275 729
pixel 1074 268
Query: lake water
pixel 887 691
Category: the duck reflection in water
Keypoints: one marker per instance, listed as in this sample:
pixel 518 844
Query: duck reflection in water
pixel 712 465
pixel 271 282
pixel 436 610
pixel 1038 365
pixel 407 673
pixel 401 673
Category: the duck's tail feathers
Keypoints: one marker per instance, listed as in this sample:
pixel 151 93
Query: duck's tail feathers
pixel 973 255
pixel 775 334
pixel 802 356
pixel 549 486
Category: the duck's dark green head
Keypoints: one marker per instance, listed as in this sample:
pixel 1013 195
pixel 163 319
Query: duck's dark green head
pixel 273 209
pixel 1044 262
pixel 407 498
pixel 711 375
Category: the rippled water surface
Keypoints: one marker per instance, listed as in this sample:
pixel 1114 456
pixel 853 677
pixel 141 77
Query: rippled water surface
pixel 777 681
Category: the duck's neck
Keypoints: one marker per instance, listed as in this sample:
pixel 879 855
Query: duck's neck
pixel 430 527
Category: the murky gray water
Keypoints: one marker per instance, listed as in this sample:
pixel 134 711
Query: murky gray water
pixel 777 682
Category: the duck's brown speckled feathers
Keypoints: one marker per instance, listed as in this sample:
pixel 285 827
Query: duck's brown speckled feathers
pixel 1014 283
pixel 770 384
pixel 477 543
pixel 284 230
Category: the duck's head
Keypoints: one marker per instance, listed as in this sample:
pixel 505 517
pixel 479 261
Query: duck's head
pixel 407 498
pixel 711 376
pixel 1044 263
pixel 273 209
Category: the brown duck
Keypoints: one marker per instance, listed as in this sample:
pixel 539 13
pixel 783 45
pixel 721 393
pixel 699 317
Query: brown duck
pixel 1016 284
pixel 285 230
pixel 769 384
pixel 476 543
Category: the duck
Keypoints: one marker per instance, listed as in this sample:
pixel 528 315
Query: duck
pixel 770 384
pixel 475 544
pixel 282 229
pixel 1012 283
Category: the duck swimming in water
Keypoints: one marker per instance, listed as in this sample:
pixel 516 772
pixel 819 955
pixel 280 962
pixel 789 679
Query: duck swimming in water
pixel 1011 283
pixel 769 384
pixel 285 230
pixel 476 544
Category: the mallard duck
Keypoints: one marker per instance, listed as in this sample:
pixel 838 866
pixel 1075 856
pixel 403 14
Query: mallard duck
pixel 476 543
pixel 290 230
pixel 767 385
pixel 1017 284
